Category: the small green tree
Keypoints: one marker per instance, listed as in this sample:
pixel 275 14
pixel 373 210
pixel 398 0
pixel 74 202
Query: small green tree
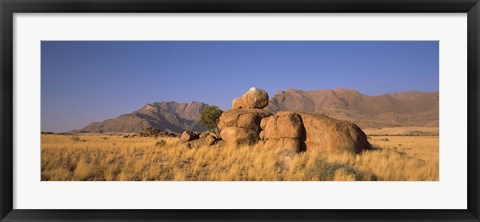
pixel 209 118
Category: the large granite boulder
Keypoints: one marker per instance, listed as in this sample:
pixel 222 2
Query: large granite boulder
pixel 241 126
pixel 283 124
pixel 239 136
pixel 255 98
pixel 283 130
pixel 312 132
pixel 244 118
pixel 323 133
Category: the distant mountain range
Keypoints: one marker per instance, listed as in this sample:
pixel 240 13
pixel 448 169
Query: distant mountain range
pixel 166 116
pixel 410 108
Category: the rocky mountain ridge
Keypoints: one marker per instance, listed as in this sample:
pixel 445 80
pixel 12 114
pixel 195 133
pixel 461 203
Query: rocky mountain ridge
pixel 409 108
pixel 167 116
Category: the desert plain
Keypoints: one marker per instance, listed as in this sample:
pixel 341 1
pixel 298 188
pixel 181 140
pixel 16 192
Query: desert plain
pixel 398 154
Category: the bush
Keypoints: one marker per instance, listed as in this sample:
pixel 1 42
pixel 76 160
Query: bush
pixel 209 118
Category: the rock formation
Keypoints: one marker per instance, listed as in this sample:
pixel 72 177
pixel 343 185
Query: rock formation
pixel 247 123
pixel 284 129
pixel 254 98
pixel 323 133
pixel 241 126
pixel 189 136
pixel 313 132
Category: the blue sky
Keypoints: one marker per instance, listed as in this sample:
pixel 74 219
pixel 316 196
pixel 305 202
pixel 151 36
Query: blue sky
pixel 87 81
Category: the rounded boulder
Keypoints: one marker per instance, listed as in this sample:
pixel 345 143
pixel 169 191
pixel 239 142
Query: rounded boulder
pixel 255 98
pixel 323 133
pixel 188 136
pixel 284 125
pixel 239 136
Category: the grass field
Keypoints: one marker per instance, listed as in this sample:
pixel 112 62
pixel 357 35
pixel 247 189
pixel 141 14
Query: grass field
pixel 396 157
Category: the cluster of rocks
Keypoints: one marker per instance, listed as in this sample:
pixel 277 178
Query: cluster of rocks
pixel 189 136
pixel 154 132
pixel 195 139
pixel 248 123
pixel 241 124
pixel 315 132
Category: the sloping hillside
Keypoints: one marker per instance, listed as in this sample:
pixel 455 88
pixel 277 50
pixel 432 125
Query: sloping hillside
pixel 167 116
pixel 410 108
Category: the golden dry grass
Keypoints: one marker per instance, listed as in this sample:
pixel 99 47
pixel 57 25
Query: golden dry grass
pixel 111 158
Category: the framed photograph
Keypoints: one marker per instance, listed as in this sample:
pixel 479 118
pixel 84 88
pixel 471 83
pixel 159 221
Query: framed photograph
pixel 239 110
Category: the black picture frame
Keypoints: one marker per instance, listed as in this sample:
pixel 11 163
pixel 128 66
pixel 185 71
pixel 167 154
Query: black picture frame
pixel 9 7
